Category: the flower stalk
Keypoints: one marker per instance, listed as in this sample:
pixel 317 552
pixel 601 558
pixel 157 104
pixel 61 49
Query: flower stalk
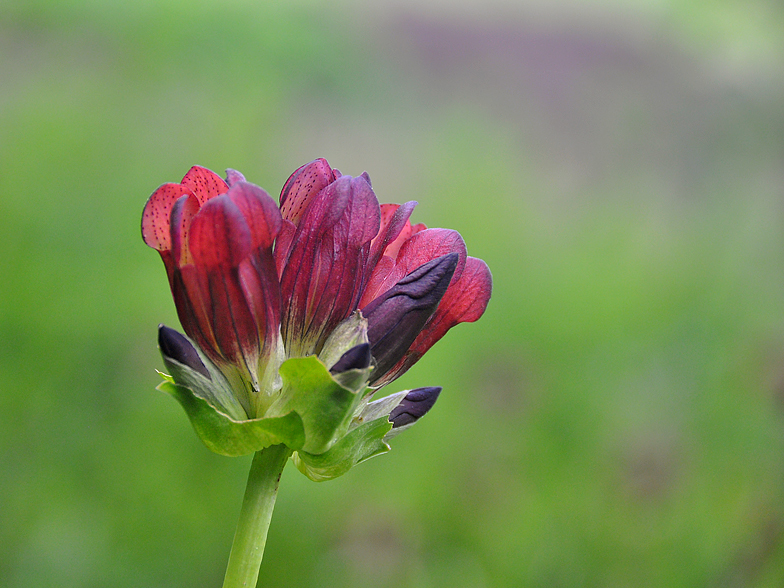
pixel 250 538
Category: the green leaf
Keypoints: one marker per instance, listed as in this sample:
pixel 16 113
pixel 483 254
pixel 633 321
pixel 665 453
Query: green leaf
pixel 324 405
pixel 361 443
pixel 227 436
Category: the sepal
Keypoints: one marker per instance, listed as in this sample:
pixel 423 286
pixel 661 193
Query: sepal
pixel 361 443
pixel 226 436
pixel 193 370
pixel 368 436
pixel 323 401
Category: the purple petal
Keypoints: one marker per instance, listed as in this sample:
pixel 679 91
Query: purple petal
pixel 322 278
pixel 396 318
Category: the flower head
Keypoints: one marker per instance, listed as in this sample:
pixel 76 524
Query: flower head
pixel 328 273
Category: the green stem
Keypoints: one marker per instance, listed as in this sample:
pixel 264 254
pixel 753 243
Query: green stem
pixel 257 505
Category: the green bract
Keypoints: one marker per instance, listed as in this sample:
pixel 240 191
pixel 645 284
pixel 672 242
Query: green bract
pixel 325 418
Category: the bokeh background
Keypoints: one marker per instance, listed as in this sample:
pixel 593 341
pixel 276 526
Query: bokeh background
pixel 615 420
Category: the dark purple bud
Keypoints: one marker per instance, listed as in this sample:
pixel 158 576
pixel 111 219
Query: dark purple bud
pixel 397 316
pixel 175 346
pixel 414 406
pixel 356 358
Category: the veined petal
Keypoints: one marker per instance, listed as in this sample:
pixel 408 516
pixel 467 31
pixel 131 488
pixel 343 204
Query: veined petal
pixel 220 240
pixel 421 248
pixel 260 211
pixel 394 221
pixel 205 184
pixel 465 301
pixel 302 186
pixel 219 234
pixel 156 218
pixel 325 270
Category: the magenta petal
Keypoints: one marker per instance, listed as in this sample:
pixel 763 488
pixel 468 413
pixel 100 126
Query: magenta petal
pixel 219 235
pixel 302 186
pixel 260 211
pixel 322 278
pixel 465 301
pixel 394 219
pixel 157 215
pixel 421 248
pixel 205 184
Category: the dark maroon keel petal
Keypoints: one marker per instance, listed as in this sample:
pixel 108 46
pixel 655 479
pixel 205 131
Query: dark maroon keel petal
pixel 396 318
pixel 231 319
pixel 220 240
pixel 464 301
pixel 259 282
pixel 260 211
pixel 219 235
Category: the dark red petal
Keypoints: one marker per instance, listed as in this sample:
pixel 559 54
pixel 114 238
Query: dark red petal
pixel 182 215
pixel 322 278
pixel 422 247
pixel 302 186
pixel 214 312
pixel 193 310
pixel 260 211
pixel 394 219
pixel 236 332
pixel 259 282
pixel 464 301
pixel 157 214
pixel 204 183
pixel 219 234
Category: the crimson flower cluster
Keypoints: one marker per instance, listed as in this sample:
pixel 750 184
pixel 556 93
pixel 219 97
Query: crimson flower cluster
pixel 256 283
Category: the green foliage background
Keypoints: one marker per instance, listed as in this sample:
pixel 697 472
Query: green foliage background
pixel 617 417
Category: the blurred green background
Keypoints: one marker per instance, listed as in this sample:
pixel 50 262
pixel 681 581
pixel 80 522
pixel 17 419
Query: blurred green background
pixel 615 420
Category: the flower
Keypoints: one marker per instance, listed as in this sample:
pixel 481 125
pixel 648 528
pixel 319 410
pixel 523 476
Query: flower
pixel 328 274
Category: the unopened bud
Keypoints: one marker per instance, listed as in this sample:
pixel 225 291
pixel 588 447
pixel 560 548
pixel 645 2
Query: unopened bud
pixel 356 358
pixel 397 316
pixel 415 404
pixel 175 346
